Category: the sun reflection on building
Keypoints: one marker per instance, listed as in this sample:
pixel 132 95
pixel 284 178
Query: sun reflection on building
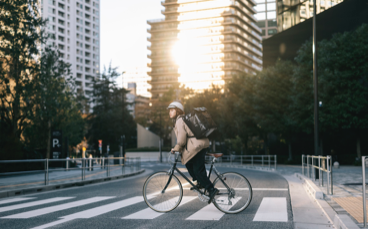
pixel 200 43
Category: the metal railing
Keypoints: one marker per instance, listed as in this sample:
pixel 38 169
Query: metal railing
pixel 364 158
pixel 83 164
pixel 265 161
pixel 323 164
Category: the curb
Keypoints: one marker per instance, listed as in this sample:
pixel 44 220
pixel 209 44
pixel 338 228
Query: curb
pixel 24 191
pixel 339 221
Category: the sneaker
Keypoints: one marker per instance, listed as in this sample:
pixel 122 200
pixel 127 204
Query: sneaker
pixel 212 193
pixel 198 186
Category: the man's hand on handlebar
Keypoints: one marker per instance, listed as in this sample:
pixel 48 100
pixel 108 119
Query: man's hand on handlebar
pixel 172 151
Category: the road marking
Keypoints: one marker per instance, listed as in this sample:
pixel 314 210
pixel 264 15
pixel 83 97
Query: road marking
pixel 34 203
pixel 270 189
pixel 43 211
pixel 210 212
pixel 148 213
pixel 16 200
pixel 94 211
pixel 272 209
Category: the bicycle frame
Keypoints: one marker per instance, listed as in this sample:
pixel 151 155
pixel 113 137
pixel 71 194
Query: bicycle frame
pixel 174 168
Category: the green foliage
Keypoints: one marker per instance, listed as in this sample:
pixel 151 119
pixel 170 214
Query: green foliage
pixel 35 94
pixel 110 118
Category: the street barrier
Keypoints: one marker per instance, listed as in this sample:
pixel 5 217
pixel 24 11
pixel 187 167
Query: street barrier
pixel 323 164
pixel 364 158
pixel 263 161
pixel 86 164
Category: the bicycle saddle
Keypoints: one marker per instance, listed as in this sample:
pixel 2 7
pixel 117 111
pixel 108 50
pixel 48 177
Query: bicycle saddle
pixel 216 155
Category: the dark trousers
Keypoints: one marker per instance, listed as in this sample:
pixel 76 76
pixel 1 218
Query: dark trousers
pixel 197 169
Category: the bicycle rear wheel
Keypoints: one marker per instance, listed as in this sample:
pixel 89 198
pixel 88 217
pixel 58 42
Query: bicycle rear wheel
pixel 154 196
pixel 235 196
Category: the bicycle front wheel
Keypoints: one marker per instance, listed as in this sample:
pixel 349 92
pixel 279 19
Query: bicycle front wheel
pixel 158 198
pixel 235 192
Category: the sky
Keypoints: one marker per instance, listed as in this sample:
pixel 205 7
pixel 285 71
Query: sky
pixel 124 32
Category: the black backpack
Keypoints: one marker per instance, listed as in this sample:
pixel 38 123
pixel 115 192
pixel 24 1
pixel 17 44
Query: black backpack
pixel 200 122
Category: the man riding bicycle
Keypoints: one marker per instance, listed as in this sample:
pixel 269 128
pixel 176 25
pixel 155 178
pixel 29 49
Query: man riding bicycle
pixel 192 150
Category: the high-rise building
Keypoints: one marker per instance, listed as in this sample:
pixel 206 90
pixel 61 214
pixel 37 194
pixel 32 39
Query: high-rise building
pixel 292 12
pixel 74 26
pixel 266 16
pixel 203 42
pixel 278 15
pixel 138 75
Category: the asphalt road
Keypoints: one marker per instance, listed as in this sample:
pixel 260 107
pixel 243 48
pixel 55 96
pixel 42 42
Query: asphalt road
pixel 119 204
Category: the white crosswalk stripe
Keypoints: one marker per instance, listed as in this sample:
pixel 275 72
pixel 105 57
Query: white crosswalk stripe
pixel 272 209
pixel 16 200
pixel 43 211
pixel 210 212
pixel 34 203
pixel 95 211
pixel 148 213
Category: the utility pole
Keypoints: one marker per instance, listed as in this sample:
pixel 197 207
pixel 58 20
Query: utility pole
pixel 315 79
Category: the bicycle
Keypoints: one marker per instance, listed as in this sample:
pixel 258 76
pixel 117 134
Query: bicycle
pixel 163 191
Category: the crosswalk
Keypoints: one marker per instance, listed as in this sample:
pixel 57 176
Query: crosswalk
pixel 270 209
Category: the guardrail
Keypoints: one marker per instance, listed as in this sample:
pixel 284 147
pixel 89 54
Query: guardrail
pixel 134 163
pixel 364 158
pixel 323 164
pixel 249 160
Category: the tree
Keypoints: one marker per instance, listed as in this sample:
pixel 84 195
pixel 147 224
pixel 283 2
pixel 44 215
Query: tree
pixel 20 38
pixel 110 118
pixel 56 105
pixel 343 81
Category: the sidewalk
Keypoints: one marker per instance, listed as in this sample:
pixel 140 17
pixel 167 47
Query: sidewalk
pixel 35 182
pixel 347 190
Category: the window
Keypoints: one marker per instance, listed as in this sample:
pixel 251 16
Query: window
pixel 271 15
pixel 260 7
pixel 51 10
pixel 263 32
pixel 272 23
pixel 261 24
pixel 272 31
pixel 271 6
pixel 260 16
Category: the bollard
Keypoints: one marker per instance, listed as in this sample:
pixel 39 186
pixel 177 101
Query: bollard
pixel 90 164
pixel 67 164
pixel 331 180
pixel 308 166
pixel 328 174
pixel 313 169
pixel 303 164
pixel 46 171
pixel 82 168
pixel 103 163
pixel 276 162
pixel 363 185
pixel 269 162
pixel 262 161
pixel 319 170
pixel 252 160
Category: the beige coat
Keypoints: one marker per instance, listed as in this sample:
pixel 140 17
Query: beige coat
pixel 188 151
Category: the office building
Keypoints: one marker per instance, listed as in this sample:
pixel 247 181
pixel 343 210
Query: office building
pixel 266 16
pixel 203 42
pixel 74 26
pixel 138 75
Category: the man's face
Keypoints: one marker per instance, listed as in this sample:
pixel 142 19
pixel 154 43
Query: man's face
pixel 172 113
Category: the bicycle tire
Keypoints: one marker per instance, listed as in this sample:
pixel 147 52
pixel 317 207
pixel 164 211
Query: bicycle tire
pixel 158 201
pixel 242 196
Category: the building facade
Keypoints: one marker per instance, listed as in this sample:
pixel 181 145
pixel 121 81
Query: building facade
pixel 292 12
pixel 203 42
pixel 278 15
pixel 266 16
pixel 74 26
pixel 138 76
